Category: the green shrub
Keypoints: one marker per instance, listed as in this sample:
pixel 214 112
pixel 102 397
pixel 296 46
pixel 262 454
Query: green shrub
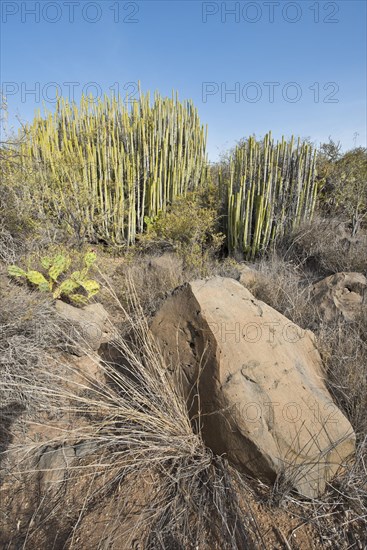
pixel 187 228
pixel 343 181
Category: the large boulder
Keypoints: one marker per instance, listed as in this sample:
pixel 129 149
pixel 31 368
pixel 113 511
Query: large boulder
pixel 340 296
pixel 256 383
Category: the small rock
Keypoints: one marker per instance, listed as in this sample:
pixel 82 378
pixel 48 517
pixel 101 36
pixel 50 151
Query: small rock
pixel 89 327
pixel 340 296
pixel 85 448
pixel 53 465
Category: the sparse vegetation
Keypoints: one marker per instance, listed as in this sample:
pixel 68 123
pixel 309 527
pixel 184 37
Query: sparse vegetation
pixel 136 184
pixel 309 246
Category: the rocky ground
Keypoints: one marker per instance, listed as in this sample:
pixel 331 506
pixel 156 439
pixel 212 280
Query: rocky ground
pixel 114 438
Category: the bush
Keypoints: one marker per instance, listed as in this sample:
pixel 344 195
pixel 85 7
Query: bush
pixel 23 221
pixel 187 228
pixel 17 210
pixel 344 185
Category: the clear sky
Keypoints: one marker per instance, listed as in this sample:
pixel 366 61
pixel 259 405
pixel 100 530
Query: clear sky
pixel 293 67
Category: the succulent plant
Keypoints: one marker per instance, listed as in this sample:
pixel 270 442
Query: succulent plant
pixel 270 189
pixel 56 267
pixel 108 165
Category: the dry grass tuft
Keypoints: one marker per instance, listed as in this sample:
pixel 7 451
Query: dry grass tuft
pixel 28 327
pixel 343 346
pixel 284 286
pixel 8 245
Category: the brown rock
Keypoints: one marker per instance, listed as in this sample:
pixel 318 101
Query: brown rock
pixel 340 295
pixel 260 382
pixel 248 276
pixel 54 465
pixel 86 370
pixel 87 327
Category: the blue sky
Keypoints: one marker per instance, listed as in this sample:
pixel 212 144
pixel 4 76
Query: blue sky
pixel 310 56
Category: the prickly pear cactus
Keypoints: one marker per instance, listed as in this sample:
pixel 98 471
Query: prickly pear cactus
pixel 56 267
pixel 89 259
pixel 91 287
pixel 36 278
pixel 66 288
pixel 46 262
pixel 78 298
pixel 15 271
pixel 60 264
